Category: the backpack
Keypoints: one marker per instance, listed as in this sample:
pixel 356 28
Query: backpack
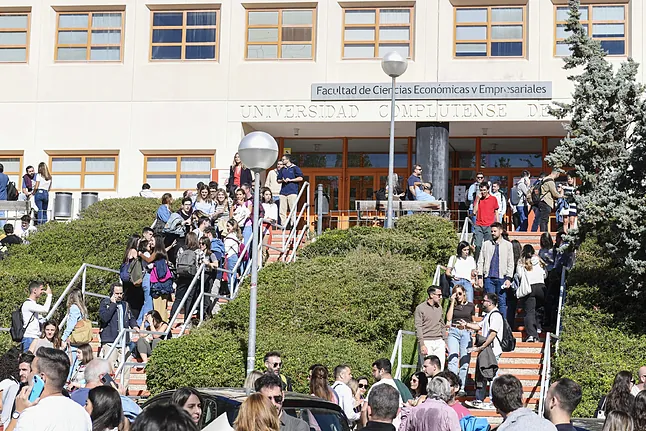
pixel 161 284
pixel 124 272
pixel 472 423
pixel 185 264
pixel 12 191
pixel 507 342
pixel 241 253
pixel 513 196
pixel 17 330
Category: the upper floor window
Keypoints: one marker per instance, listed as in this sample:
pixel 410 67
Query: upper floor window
pixel 372 32
pixel 605 23
pixel 185 35
pixel 12 165
pixel 490 31
pixel 81 172
pixel 280 34
pixel 181 172
pixel 89 36
pixel 14 36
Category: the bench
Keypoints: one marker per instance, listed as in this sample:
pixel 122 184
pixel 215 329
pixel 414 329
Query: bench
pixel 376 210
pixel 13 210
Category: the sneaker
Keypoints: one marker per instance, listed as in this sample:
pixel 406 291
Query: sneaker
pixel 530 339
pixel 488 406
pixel 476 404
pixel 462 393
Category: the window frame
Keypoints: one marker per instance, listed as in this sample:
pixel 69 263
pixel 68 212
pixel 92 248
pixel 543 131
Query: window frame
pixel 14 30
pixel 489 23
pixel 183 44
pixel 20 173
pixel 377 25
pixel 590 22
pixel 83 172
pixel 88 45
pixel 178 163
pixel 279 43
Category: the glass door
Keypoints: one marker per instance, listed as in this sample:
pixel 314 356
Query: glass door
pixel 331 181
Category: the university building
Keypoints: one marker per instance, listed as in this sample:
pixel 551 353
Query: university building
pixel 115 93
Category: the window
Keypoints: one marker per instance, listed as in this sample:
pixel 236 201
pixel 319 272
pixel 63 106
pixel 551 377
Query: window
pixel 490 32
pixel 89 36
pixel 370 33
pixel 13 168
pixel 164 172
pixel 606 23
pixel 14 36
pixel 280 34
pixel 184 35
pixel 96 172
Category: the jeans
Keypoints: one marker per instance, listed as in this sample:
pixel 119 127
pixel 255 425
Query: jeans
pixel 468 287
pixel 530 303
pixel 42 202
pixel 536 218
pixel 522 213
pixel 544 211
pixel 148 300
pixel 494 285
pixel 459 341
pixel 480 234
pixel 481 393
pixel 277 202
pixel 247 234
pixel 25 343
pixel 231 263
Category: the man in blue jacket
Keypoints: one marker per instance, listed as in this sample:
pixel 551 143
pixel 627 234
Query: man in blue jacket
pixel 288 177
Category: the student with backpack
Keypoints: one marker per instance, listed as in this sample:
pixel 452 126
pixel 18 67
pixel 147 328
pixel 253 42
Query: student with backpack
pixel 548 196
pixel 25 321
pixel 161 279
pixel 186 266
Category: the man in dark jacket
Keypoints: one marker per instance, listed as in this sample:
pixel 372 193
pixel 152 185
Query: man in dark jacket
pixel 382 408
pixel 114 316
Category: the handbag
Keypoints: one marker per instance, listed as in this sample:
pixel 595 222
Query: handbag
pixel 525 288
pixel 82 333
pixel 136 272
pixel 241 214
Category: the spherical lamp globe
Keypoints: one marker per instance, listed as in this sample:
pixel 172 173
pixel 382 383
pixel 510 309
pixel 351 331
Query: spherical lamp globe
pixel 258 151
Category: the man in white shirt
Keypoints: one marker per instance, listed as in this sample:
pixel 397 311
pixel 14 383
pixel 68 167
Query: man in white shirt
pixel 502 200
pixel 52 411
pixel 381 370
pixel 31 311
pixel 342 375
pixel 24 229
pixel 492 327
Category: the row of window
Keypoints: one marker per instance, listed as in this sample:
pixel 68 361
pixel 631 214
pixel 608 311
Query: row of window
pixel 291 33
pixel 100 172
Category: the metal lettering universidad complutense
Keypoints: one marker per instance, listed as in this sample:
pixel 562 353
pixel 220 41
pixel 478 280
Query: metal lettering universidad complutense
pixel 517 90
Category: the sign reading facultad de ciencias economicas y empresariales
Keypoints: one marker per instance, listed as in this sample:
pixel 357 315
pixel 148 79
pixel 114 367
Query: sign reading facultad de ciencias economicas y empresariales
pixel 517 90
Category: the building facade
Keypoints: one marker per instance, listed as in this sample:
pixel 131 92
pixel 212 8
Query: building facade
pixel 115 93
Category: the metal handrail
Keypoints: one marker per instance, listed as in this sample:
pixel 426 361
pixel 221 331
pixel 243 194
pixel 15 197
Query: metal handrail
pixel 546 360
pixel 397 353
pixel 121 338
pixel 199 274
pixel 293 237
pixel 464 235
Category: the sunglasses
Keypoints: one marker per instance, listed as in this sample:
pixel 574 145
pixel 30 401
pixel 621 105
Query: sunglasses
pixel 276 364
pixel 277 398
pixel 362 386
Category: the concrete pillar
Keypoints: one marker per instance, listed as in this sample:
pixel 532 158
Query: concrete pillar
pixel 432 153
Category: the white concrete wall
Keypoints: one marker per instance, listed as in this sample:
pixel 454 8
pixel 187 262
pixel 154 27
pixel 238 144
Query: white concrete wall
pixel 140 105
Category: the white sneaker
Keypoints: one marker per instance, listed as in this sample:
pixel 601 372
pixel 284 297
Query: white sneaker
pixel 481 405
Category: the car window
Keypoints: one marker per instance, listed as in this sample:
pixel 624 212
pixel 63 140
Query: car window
pixel 320 419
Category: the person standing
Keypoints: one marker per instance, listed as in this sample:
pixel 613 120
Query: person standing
pixel 342 375
pixel 4 183
pixel 274 363
pixel 434 414
pixel 270 385
pixel 239 174
pixel 562 398
pixel 288 177
pixel 548 196
pixel 522 188
pixel 41 197
pixel 31 312
pixel 381 409
pixel 485 209
pixel 507 397
pixel 462 269
pixel 496 266
pixel 530 267
pixel 413 182
pixel 429 325
pixel 502 201
pixel 459 340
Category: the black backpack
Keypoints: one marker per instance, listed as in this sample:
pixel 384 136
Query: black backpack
pixel 12 191
pixel 534 194
pixel 507 342
pixel 17 330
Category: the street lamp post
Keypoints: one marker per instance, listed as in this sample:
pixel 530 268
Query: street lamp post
pixel 258 151
pixel 394 65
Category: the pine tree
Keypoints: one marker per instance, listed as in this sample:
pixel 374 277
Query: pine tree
pixel 606 146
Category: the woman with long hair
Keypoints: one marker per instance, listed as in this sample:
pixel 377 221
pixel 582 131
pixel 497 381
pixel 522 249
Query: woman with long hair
pixel 76 312
pixel 163 213
pixel 132 294
pixel 531 269
pixel 222 211
pixel 184 281
pixel 618 420
pixel 191 401
pixel 462 269
pixel 250 381
pixel 418 387
pixel 145 247
pixel 512 301
pixel 211 263
pixel 459 340
pixel 104 407
pixel 319 386
pixel 242 212
pixel 257 414
pixel 619 398
pixel 147 343
pixel 269 219
pixel 232 250
pixel 84 354
pixel 239 174
pixel 639 411
pixel 43 183
pixel 50 337
pixel 159 252
pixel 203 202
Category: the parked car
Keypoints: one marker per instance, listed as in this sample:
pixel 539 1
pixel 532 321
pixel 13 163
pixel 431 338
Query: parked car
pixel 221 406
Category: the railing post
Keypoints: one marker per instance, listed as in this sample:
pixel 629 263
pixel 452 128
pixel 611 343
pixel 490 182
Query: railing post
pixel 202 296
pixel 319 209
pixel 83 280
pixel 399 358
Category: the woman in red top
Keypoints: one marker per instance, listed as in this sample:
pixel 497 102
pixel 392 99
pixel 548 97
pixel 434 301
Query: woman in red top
pixel 239 174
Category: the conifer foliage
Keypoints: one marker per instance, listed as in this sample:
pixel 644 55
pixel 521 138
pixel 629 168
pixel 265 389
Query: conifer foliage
pixel 606 146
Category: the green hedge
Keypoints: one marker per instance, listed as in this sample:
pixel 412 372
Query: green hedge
pixel 342 301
